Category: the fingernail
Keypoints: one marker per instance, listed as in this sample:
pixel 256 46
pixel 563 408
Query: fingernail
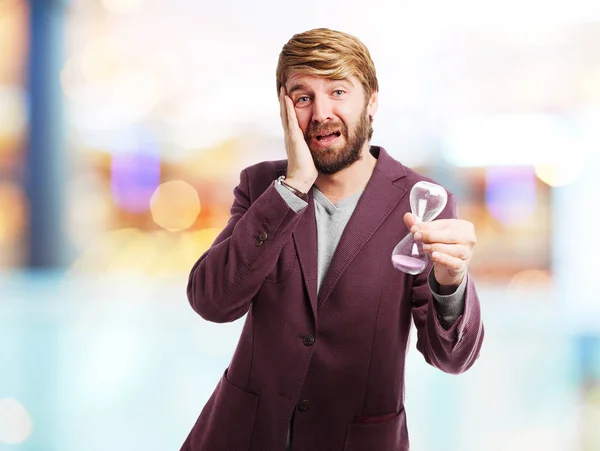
pixel 427 247
pixel 418 236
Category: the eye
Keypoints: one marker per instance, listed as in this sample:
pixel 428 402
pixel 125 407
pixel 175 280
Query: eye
pixel 302 100
pixel 338 92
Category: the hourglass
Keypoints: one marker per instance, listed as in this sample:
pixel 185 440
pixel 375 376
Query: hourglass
pixel 427 200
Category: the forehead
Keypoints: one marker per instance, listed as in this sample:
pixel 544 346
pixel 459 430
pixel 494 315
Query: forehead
pixel 306 81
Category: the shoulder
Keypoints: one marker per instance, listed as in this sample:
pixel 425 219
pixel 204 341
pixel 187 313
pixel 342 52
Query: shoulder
pixel 266 169
pixel 402 175
pixel 258 177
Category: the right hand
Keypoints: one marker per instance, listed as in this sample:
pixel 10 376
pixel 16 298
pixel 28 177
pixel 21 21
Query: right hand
pixel 301 171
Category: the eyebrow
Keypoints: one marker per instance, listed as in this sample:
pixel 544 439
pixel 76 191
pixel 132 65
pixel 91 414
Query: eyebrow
pixel 344 80
pixel 300 87
pixel 295 88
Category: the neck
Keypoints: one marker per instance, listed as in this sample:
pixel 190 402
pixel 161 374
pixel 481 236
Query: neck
pixel 350 180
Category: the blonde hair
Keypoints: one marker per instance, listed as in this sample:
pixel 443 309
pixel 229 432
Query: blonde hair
pixel 327 53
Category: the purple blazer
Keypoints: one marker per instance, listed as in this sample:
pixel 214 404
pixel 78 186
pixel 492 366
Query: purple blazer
pixel 333 361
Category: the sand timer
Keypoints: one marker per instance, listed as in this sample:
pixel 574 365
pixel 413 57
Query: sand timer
pixel 427 200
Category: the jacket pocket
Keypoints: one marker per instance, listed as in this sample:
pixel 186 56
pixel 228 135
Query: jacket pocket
pixel 227 421
pixel 378 433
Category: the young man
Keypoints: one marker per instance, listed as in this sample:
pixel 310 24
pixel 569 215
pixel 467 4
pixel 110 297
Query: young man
pixel 307 256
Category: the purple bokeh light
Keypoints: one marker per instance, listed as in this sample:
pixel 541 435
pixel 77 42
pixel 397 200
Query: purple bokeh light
pixel 135 176
pixel 511 193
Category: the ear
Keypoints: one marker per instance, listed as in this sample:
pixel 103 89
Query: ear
pixel 372 104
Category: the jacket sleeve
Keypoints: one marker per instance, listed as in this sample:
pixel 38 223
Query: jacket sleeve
pixel 225 279
pixel 453 349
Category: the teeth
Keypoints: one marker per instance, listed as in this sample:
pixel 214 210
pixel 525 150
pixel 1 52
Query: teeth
pixel 320 137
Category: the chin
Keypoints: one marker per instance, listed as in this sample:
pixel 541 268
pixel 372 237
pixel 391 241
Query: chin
pixel 328 150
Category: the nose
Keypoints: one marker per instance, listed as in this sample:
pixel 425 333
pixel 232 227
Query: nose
pixel 322 109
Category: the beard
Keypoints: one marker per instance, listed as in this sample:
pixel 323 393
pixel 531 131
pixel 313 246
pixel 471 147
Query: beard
pixel 330 160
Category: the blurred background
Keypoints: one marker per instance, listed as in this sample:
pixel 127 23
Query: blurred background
pixel 124 125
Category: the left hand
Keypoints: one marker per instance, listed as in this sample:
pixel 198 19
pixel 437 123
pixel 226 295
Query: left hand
pixel 449 242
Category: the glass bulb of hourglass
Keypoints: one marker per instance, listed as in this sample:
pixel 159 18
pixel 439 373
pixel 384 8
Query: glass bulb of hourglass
pixel 427 200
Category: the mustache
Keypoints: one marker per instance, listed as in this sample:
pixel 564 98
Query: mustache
pixel 315 129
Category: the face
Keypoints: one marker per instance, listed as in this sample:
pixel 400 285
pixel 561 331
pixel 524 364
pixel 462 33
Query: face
pixel 335 117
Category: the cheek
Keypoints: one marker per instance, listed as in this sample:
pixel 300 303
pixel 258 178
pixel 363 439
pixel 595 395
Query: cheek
pixel 348 116
pixel 351 122
pixel 303 118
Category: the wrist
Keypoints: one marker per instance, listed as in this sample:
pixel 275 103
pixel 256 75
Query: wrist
pixel 282 181
pixel 448 283
pixel 449 286
pixel 445 290
pixel 301 184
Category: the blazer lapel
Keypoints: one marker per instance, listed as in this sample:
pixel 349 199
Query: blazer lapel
pixel 378 200
pixel 305 239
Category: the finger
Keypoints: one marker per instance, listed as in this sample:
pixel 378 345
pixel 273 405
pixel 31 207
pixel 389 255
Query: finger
pixel 282 107
pixel 289 120
pixel 454 250
pixel 439 224
pixel 466 228
pixel 446 236
pixel 292 119
pixel 453 263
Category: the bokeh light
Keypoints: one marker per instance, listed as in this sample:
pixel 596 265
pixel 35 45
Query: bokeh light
pixel 511 193
pixel 13 115
pixel 117 87
pixel 175 205
pixel 560 174
pixel 131 250
pixel 15 423
pixel 509 140
pixel 13 38
pixel 134 177
pixel 530 279
pixel 13 211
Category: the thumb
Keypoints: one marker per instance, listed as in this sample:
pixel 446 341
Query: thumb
pixel 409 220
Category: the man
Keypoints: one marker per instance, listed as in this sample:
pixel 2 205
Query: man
pixel 306 255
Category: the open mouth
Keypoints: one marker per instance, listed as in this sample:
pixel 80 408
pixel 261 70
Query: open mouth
pixel 328 136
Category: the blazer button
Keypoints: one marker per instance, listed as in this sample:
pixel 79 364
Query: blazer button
pixel 259 243
pixel 263 236
pixel 308 340
pixel 304 405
